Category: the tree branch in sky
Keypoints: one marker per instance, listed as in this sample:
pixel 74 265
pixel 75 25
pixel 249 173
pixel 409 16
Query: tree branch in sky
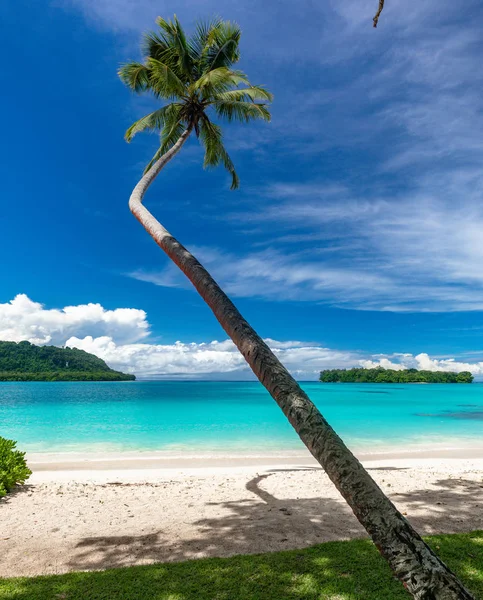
pixel 379 11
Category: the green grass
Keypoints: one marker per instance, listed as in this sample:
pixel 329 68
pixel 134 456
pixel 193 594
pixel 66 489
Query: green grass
pixel 332 571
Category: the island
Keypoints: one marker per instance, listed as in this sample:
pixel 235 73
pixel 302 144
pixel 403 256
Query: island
pixel 24 361
pixel 381 375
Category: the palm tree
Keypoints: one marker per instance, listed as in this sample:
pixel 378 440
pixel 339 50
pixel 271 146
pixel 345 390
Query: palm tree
pixel 195 79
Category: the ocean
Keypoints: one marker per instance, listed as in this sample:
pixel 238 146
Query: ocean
pixel 190 417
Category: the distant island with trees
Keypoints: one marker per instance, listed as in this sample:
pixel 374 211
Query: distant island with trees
pixel 24 361
pixel 381 375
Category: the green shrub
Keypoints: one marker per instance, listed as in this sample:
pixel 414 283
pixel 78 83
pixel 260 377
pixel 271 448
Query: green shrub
pixel 13 468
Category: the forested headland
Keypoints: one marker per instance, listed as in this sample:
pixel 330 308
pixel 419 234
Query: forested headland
pixel 381 375
pixel 24 361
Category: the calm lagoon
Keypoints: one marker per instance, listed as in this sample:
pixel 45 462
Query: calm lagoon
pixel 232 417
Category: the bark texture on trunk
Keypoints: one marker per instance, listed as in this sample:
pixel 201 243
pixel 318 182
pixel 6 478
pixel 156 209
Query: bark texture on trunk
pixel 423 574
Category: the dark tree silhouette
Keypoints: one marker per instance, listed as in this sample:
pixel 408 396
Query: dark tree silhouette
pixel 378 14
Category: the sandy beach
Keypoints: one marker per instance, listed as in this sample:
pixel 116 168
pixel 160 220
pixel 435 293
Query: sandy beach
pixel 83 512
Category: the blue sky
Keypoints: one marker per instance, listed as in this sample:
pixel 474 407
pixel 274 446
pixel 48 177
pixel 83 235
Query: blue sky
pixel 355 236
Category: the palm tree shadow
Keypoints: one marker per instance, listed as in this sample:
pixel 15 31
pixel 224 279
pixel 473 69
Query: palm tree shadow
pixel 266 523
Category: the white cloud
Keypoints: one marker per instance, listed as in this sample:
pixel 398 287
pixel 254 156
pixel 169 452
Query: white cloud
pixel 116 15
pixel 23 319
pixel 414 251
pixel 222 359
pixel 120 338
pixel 163 359
pixel 134 16
pixel 304 360
pixel 385 363
pixel 269 274
pixel 406 259
pixel 424 362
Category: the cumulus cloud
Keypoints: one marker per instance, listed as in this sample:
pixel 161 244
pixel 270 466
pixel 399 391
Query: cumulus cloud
pixel 222 359
pixel 424 362
pixel 119 337
pixel 180 359
pixel 150 360
pixel 23 319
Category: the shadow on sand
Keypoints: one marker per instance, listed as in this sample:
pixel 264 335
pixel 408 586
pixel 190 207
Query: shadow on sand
pixel 18 490
pixel 265 523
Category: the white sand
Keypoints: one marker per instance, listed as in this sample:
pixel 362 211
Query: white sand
pixel 94 512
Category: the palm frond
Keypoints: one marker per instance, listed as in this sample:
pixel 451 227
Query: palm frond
pixel 169 137
pixel 200 39
pixel 236 110
pixel 154 45
pixel 252 93
pixel 215 152
pixel 135 75
pixel 177 54
pixel 219 80
pixel 164 82
pixel 162 47
pixel 172 128
pixel 185 61
pixel 155 158
pixel 154 120
pixel 167 27
pixel 222 49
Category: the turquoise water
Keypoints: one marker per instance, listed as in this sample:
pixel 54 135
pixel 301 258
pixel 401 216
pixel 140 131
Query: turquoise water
pixel 185 417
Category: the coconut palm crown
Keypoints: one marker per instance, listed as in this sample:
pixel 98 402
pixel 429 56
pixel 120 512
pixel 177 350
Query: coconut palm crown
pixel 195 75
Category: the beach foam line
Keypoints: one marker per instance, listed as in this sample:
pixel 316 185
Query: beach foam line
pixel 55 462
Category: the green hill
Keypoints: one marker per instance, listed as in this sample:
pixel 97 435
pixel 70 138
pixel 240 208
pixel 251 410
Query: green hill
pixel 381 375
pixel 25 362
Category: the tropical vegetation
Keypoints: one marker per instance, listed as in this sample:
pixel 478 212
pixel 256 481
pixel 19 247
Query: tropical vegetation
pixel 381 375
pixel 332 571
pixel 24 361
pixel 13 467
pixel 194 78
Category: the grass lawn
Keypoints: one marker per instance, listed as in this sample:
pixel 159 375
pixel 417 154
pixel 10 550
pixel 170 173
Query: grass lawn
pixel 332 571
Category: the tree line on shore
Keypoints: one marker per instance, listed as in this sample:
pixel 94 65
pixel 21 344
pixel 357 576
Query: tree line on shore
pixel 24 361
pixel 382 375
pixel 66 376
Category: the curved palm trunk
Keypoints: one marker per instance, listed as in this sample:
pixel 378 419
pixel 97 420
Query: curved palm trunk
pixel 412 561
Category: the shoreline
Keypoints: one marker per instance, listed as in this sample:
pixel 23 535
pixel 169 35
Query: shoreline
pixel 468 450
pixel 146 465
